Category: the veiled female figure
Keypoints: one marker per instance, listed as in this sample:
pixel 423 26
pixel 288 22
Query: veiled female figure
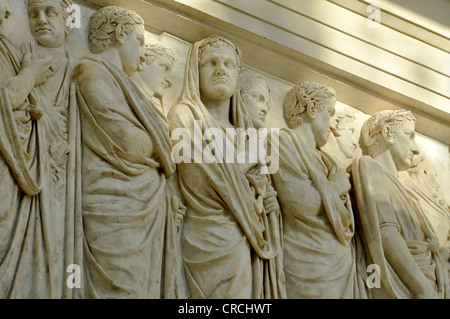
pixel 224 241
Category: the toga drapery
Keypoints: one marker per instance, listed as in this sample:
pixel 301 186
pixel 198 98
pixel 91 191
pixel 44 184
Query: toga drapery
pixel 226 246
pixel 318 226
pixel 383 201
pixel 130 247
pixel 37 159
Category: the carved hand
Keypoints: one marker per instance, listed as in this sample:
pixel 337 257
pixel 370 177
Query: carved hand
pixel 39 67
pixel 339 180
pixel 271 203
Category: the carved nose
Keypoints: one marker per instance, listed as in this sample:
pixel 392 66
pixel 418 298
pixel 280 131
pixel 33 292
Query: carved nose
pixel 42 19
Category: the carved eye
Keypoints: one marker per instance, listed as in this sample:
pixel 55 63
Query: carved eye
pixel 51 12
pixel 230 64
pixel 209 63
pixel 33 13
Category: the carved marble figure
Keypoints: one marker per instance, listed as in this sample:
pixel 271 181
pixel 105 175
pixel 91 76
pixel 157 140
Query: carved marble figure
pixel 38 147
pixel 396 233
pixel 156 74
pixel 225 243
pixel 318 225
pixel 130 248
pixel 424 187
pixel 255 94
pixel 341 144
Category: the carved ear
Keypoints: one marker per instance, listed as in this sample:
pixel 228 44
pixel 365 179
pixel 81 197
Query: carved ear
pixel 120 34
pixel 387 134
pixel 311 109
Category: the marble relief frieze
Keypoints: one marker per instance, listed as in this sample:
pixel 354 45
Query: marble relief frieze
pixel 137 165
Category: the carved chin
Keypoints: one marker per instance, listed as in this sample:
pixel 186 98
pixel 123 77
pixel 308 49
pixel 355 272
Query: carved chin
pixel 48 40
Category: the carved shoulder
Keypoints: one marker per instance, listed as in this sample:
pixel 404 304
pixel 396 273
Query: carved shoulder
pixel 87 71
pixel 179 116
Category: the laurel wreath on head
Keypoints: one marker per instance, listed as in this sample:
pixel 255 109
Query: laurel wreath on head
pixel 104 25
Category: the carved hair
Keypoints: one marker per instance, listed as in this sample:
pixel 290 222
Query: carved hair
pixel 68 13
pixel 4 10
pixel 250 80
pixel 219 42
pixel 106 22
pixel 156 50
pixel 344 116
pixel 298 98
pixel 371 131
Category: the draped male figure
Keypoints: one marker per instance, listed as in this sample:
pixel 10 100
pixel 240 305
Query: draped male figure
pixel 38 159
pixel 224 242
pixel 130 248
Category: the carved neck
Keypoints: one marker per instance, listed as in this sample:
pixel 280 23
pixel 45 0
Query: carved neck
pixel 305 131
pixel 387 162
pixel 112 56
pixel 220 110
pixel 47 50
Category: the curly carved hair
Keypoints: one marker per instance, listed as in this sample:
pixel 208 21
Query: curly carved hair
pixel 4 10
pixel 218 42
pixel 371 130
pixel 104 24
pixel 251 80
pixel 341 120
pixel 298 98
pixel 156 50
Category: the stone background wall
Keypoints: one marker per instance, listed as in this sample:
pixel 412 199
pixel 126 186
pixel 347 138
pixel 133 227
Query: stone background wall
pixel 402 63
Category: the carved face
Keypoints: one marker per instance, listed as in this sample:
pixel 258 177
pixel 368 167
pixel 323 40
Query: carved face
pixel 158 75
pixel 426 176
pixel 346 138
pixel 131 49
pixel 256 101
pixel 321 123
pixel 218 73
pixel 47 22
pixel 404 146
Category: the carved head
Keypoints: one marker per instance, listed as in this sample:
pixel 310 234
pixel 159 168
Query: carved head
pixel 312 103
pixel 49 21
pixel 255 93
pixel 424 173
pixel 4 10
pixel 118 28
pixel 391 131
pixel 219 68
pixel 343 128
pixel 157 68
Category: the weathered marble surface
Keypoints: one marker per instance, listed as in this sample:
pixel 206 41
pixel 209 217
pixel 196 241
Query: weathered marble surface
pixel 87 145
pixel 396 233
pixel 319 259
